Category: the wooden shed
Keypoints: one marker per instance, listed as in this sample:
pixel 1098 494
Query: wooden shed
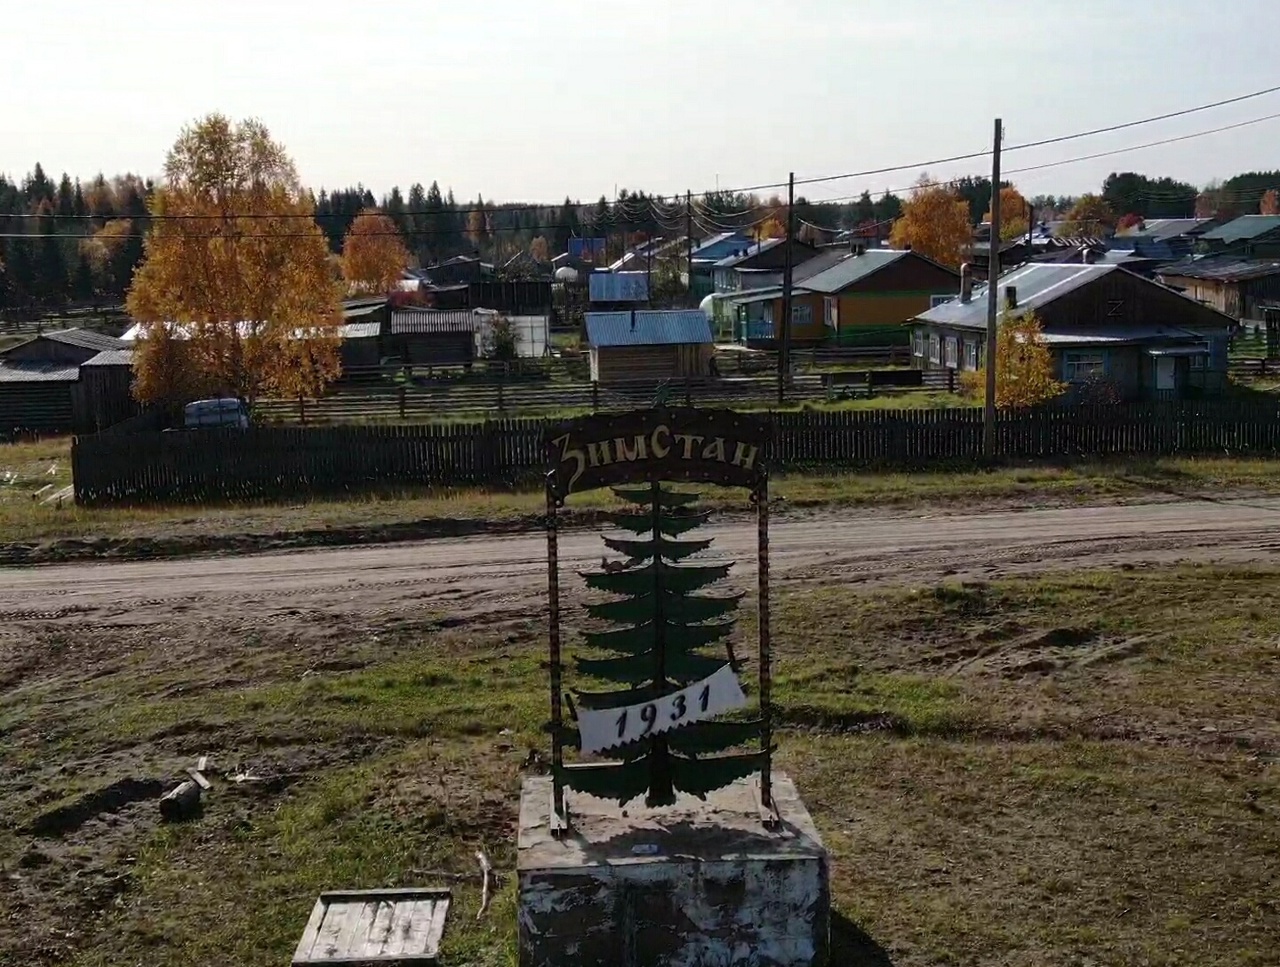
pixel 68 347
pixel 426 337
pixel 649 344
pixel 106 388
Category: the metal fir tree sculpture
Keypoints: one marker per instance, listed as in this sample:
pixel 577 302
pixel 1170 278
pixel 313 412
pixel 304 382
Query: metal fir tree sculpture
pixel 671 680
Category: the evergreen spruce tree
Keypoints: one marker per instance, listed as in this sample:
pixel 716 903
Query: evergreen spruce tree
pixel 663 628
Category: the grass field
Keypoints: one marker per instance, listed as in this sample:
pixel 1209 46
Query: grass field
pixel 1069 770
pixel 26 467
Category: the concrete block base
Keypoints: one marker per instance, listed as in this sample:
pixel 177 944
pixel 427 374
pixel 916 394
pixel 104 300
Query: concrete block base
pixel 692 885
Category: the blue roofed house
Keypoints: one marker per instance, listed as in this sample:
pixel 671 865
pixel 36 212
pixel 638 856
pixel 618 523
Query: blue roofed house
pixel 1111 332
pixel 708 252
pixel 649 344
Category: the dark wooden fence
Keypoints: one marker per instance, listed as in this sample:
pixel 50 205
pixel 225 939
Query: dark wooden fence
pixel 275 462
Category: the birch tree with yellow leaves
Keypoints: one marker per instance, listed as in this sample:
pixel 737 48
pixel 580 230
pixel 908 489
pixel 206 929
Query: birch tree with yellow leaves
pixel 935 223
pixel 1025 374
pixel 235 293
pixel 373 256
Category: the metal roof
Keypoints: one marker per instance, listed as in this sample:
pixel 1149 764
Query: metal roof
pixel 1037 283
pixel 1119 336
pixel 111 357
pixel 424 321
pixel 853 269
pixel 1223 269
pixel 54 373
pixel 652 327
pixel 1166 228
pixel 756 248
pixel 361 330
pixel 714 240
pixel 80 338
pixel 1243 228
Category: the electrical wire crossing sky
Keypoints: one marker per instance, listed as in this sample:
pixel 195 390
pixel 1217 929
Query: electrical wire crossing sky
pixel 565 98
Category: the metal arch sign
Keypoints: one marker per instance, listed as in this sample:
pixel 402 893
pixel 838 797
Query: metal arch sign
pixel 664 443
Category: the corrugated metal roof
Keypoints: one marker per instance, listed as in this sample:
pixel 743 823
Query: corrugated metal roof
pixel 80 338
pixel 422 321
pixel 1223 269
pixel 714 240
pixel 39 374
pixel 361 330
pixel 1037 283
pixel 653 327
pixel 84 339
pixel 853 269
pixel 111 357
pixel 1243 228
pixel 1166 228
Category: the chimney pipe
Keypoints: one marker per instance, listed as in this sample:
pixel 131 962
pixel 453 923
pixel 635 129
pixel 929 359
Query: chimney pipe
pixel 1011 297
pixel 966 283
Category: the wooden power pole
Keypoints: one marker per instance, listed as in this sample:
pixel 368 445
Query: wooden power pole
pixel 784 327
pixel 993 304
pixel 688 241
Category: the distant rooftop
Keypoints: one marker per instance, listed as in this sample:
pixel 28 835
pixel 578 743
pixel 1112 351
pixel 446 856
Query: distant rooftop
pixel 648 327
pixel 1243 229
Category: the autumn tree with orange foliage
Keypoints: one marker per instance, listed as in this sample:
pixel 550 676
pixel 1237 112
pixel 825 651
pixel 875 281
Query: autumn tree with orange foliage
pixel 935 223
pixel 1025 374
pixel 235 294
pixel 373 256
pixel 772 227
pixel 1270 204
pixel 1013 214
pixel 540 249
pixel 1091 215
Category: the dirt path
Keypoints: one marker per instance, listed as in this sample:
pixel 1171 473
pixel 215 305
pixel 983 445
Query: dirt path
pixel 469 576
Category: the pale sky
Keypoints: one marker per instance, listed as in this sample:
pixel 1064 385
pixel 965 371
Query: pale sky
pixel 538 100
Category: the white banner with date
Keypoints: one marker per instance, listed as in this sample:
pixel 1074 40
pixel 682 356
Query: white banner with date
pixel 606 728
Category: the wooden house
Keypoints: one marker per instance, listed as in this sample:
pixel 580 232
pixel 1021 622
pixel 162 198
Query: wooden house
pixel 648 344
pixel 857 300
pixel 40 383
pixel 1112 333
pixel 1245 289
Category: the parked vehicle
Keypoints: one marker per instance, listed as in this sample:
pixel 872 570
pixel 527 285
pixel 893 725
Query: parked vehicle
pixel 203 414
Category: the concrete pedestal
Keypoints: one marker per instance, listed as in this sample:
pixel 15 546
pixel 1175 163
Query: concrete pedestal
pixel 695 884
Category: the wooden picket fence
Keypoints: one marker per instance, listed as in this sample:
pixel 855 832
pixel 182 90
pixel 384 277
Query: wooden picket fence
pixel 273 462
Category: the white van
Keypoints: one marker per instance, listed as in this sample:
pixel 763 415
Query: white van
pixel 203 414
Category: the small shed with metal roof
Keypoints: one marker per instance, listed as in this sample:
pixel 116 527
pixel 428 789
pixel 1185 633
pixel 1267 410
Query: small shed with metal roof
pixel 432 337
pixel 1250 235
pixel 1105 326
pixel 1245 289
pixel 649 344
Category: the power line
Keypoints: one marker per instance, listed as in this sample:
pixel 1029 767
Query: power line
pixel 800 181
pixel 1022 147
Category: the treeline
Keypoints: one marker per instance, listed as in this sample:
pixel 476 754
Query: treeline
pixel 68 242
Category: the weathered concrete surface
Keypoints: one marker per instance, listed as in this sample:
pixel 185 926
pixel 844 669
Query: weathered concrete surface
pixel 699 884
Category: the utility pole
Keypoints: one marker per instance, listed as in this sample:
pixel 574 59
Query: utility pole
pixel 993 305
pixel 784 344
pixel 688 241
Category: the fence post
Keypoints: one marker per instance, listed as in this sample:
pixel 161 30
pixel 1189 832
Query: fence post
pixel 501 398
pixel 951 380
pixel 595 396
pixel 302 410
pixel 402 394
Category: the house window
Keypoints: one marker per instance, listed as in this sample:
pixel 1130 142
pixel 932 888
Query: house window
pixel 917 344
pixel 937 300
pixel 801 315
pixel 952 349
pixel 1079 367
pixel 970 355
pixel 831 312
pixel 935 348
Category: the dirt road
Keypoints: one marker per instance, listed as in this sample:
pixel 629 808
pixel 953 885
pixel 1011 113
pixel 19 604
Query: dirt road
pixel 471 576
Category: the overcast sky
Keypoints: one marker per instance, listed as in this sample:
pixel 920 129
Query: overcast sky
pixel 533 101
